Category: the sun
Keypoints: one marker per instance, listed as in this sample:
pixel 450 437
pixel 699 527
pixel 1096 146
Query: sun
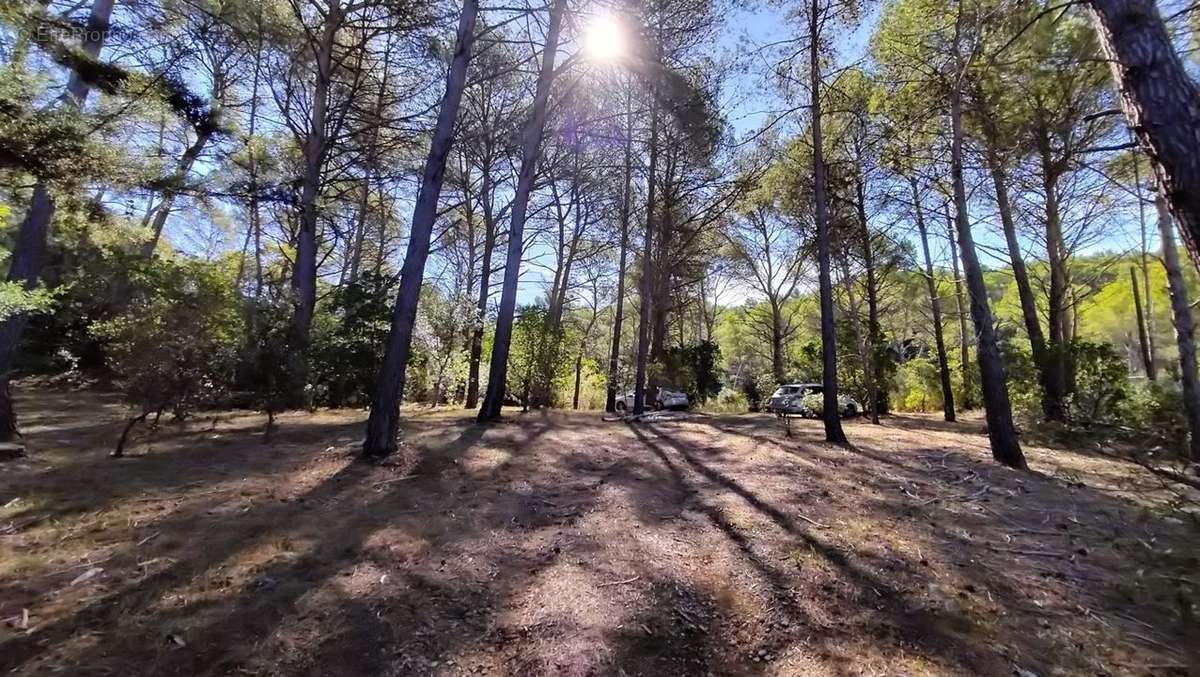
pixel 604 38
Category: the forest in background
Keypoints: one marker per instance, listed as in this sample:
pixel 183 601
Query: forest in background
pixel 303 203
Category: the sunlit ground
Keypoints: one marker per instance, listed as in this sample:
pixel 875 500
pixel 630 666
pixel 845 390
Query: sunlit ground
pixel 557 544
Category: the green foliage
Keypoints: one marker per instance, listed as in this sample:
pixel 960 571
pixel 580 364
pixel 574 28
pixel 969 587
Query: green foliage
pixel 15 298
pixel 349 338
pixel 1157 407
pixel 692 369
pixel 437 370
pixel 1101 382
pixel 261 373
pixel 536 363
pixel 813 402
pixel 51 143
pixel 917 386
pixel 1024 388
pixel 757 390
pixel 728 401
pixel 175 346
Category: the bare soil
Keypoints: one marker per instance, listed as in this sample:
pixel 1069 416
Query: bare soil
pixel 560 544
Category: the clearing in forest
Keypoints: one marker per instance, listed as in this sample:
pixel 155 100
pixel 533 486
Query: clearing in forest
pixel 559 544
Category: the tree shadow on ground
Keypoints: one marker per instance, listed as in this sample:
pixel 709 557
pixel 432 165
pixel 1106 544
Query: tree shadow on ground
pixel 936 632
pixel 1070 552
pixel 554 544
pixel 313 539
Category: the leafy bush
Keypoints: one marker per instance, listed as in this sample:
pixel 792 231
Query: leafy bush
pixel 1101 382
pixel 758 390
pixel 349 338
pixel 537 364
pixel 175 346
pixel 261 373
pixel 693 369
pixel 728 401
pixel 1024 386
pixel 917 386
pixel 1157 407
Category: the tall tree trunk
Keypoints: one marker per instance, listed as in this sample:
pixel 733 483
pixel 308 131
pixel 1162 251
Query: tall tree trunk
pixel 304 273
pixel 831 411
pixel 1151 365
pixel 530 154
pixel 1185 327
pixel 1053 405
pixel 583 342
pixel 1161 102
pixel 476 354
pixel 645 284
pixel 860 339
pixel 871 361
pixel 936 306
pixel 964 334
pixel 1002 433
pixel 360 233
pixel 614 356
pixel 171 191
pixel 777 348
pixel 578 373
pixel 662 302
pixel 487 190
pixel 253 231
pixel 383 422
pixel 25 264
pixel 1058 352
pixel 1147 360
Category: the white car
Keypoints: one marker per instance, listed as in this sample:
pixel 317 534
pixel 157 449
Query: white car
pixel 790 399
pixel 664 398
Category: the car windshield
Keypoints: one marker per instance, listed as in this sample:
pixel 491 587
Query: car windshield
pixel 786 390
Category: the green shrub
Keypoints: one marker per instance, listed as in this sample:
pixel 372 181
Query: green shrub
pixel 175 346
pixel 1157 407
pixel 1101 382
pixel 349 336
pixel 917 386
pixel 728 401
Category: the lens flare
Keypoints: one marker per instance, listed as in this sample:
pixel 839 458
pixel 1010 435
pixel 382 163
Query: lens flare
pixel 604 39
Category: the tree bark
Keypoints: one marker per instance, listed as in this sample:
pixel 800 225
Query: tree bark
pixel 1147 360
pixel 614 356
pixel 936 307
pixel 777 349
pixel 1161 102
pixel 171 191
pixel 304 272
pixel 1151 365
pixel 530 154
pixel 645 284
pixel 871 361
pixel 859 338
pixel 964 335
pixel 1053 405
pixel 1058 350
pixel 1185 326
pixel 831 413
pixel 1006 448
pixel 486 194
pixel 383 422
pixel 25 265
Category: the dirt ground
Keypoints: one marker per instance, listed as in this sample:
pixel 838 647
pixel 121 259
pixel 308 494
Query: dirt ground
pixel 560 544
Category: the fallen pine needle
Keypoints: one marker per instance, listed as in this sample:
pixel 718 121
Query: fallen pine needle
pixel 1030 553
pixel 814 522
pixel 395 479
pixel 627 580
